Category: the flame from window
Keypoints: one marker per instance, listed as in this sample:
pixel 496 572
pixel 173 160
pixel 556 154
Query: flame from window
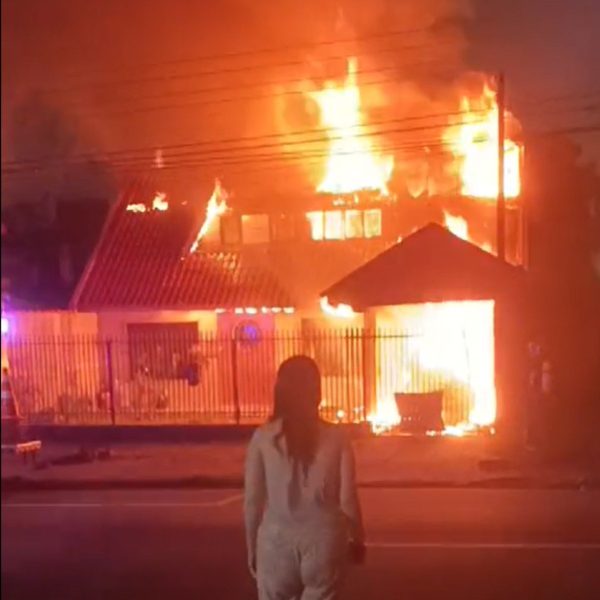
pixel 474 143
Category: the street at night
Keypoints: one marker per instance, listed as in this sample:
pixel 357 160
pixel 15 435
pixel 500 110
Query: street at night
pixel 423 544
pixel 300 300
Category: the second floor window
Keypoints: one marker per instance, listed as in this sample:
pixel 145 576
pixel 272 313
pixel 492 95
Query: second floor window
pixel 344 224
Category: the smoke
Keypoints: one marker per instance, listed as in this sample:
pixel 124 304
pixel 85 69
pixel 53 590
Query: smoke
pixel 417 71
pixel 39 133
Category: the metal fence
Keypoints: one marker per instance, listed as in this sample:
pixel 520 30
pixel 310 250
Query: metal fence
pixel 179 378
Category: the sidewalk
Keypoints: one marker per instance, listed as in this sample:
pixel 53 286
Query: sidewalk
pixel 383 461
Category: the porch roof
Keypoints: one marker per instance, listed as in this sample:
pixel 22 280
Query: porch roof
pixel 431 265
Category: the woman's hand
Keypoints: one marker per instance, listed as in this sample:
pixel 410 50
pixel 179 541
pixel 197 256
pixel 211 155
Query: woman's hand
pixel 252 565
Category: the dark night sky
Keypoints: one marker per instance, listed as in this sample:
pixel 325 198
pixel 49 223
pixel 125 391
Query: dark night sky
pixel 72 49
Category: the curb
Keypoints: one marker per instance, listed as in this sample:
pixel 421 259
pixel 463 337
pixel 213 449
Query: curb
pixel 18 484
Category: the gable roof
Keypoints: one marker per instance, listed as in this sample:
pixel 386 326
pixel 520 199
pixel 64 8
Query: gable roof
pixel 431 265
pixel 142 261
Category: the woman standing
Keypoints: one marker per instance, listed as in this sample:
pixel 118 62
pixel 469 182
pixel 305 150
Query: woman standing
pixel 302 513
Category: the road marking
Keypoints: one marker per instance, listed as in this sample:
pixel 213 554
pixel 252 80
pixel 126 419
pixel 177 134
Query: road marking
pixel 485 545
pixel 208 504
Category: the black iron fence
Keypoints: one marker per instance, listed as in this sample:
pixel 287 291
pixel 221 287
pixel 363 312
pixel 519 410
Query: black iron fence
pixel 184 378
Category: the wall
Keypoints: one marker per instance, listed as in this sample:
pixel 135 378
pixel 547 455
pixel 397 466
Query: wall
pixel 56 363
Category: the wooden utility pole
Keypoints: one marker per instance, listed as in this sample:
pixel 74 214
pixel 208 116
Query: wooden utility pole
pixel 501 204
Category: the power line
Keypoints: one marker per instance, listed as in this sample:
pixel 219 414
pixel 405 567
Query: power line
pixel 276 49
pixel 111 84
pixel 275 163
pixel 282 137
pixel 233 144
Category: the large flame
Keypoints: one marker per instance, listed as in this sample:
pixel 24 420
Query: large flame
pixel 453 350
pixel 217 206
pixel 352 164
pixel 474 142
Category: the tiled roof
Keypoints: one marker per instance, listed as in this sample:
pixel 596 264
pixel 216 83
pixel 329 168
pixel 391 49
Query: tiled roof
pixel 431 265
pixel 142 262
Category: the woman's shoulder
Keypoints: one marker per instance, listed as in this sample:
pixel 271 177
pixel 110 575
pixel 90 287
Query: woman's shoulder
pixel 266 431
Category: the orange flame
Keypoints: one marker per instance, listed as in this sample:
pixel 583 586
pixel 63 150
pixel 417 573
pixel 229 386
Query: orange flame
pixel 454 349
pixel 136 208
pixel 352 164
pixel 474 142
pixel 159 203
pixel 456 225
pixel 217 206
pixel 344 311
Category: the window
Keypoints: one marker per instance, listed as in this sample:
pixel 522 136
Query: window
pixel 344 224
pixel 255 229
pixel 316 224
pixel 372 223
pixel 354 224
pixel 231 231
pixel 282 228
pixel 162 350
pixel 334 225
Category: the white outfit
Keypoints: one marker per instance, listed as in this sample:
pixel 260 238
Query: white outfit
pixel 298 526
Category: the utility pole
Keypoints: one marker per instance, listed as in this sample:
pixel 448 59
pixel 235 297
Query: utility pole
pixel 501 204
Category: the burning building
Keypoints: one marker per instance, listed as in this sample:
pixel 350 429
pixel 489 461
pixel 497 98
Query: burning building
pixel 406 206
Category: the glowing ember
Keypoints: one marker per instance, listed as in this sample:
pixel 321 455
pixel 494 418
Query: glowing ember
pixel 352 164
pixel 341 310
pixel 453 350
pixel 457 225
pixel 217 206
pixel 474 142
pixel 386 417
pixel 160 203
pixel 136 208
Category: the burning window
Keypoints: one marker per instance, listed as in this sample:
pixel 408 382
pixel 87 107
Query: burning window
pixel 344 224
pixel 372 223
pixel 334 225
pixel 316 225
pixel 354 224
pixel 255 229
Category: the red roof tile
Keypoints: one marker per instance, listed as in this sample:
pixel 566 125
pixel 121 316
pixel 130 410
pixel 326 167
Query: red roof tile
pixel 142 262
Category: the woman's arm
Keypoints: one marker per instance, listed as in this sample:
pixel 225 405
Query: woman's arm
pixel 349 501
pixel 254 497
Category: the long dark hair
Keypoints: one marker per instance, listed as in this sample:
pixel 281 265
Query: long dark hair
pixel 297 399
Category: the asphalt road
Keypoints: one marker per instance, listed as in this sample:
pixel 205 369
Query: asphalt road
pixel 424 544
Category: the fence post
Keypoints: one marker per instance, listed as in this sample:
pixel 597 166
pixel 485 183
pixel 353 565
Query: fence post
pixel 234 371
pixel 111 383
